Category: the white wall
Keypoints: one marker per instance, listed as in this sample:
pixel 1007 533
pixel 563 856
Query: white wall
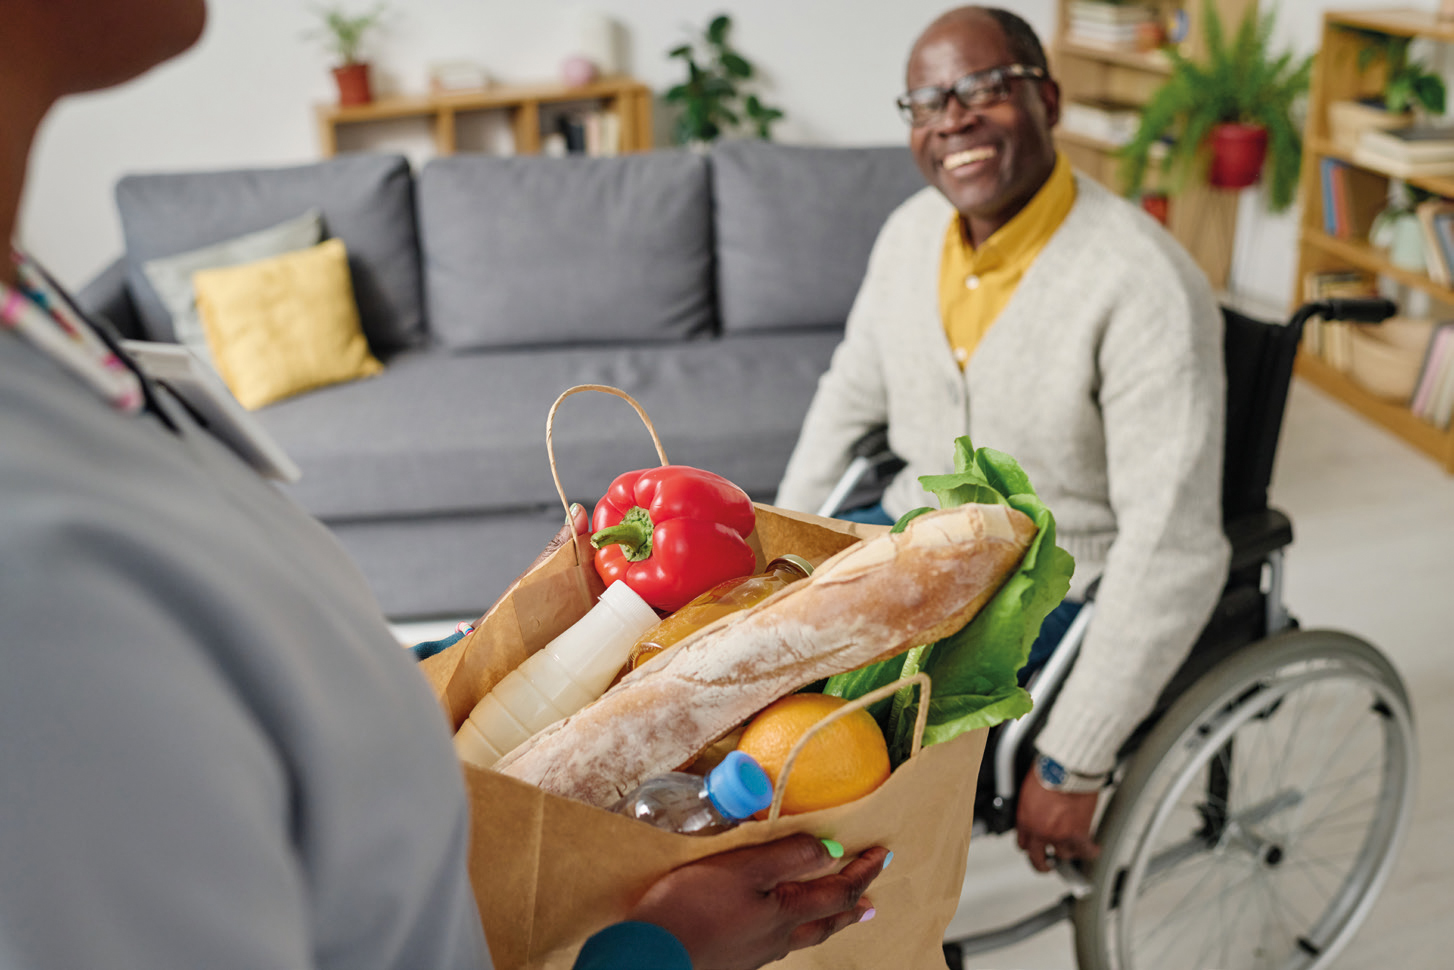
pixel 244 96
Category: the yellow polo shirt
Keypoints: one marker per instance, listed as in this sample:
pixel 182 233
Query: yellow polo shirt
pixel 975 284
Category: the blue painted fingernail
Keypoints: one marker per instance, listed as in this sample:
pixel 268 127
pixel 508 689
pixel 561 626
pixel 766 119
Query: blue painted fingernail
pixel 887 859
pixel 834 849
pixel 868 914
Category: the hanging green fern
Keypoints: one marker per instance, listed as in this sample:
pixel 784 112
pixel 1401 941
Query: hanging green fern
pixel 1238 82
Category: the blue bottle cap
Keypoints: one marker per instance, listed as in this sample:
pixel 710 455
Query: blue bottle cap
pixel 739 787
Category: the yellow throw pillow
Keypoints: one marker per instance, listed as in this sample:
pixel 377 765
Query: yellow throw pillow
pixel 281 326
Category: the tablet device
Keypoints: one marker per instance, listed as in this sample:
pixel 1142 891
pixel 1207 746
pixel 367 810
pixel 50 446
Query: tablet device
pixel 198 386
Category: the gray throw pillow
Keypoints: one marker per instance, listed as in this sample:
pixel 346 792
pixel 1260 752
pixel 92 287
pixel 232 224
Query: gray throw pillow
pixel 171 276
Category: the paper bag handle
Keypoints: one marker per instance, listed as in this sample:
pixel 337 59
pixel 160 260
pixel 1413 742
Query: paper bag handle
pixel 550 442
pixel 921 720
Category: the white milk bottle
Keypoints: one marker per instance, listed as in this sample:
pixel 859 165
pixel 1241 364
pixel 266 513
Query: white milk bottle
pixel 559 679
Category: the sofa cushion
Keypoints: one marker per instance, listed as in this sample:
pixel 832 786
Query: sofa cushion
pixel 366 200
pixel 285 325
pixel 439 434
pixel 795 226
pixel 539 251
pixel 171 276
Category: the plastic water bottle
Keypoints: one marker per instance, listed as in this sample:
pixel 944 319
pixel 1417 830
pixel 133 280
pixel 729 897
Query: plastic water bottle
pixel 561 678
pixel 735 790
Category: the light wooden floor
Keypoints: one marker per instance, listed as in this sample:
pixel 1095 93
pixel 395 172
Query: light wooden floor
pixel 1373 555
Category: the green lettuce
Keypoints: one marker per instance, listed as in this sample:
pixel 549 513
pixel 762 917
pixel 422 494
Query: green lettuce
pixel 973 672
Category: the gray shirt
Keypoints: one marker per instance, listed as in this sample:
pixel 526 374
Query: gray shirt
pixel 212 752
pixel 1103 376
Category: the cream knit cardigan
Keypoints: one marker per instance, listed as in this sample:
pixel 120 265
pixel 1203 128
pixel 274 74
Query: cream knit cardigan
pixel 1103 377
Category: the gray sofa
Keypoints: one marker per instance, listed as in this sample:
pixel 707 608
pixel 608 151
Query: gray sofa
pixel 713 288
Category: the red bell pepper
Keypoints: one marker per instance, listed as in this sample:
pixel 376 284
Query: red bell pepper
pixel 672 533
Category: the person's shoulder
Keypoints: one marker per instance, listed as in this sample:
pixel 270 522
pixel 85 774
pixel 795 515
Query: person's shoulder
pixel 924 210
pixel 1126 242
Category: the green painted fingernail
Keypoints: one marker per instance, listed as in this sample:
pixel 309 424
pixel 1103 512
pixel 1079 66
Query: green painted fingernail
pixel 834 849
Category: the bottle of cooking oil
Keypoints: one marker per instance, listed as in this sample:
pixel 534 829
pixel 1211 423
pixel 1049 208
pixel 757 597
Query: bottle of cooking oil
pixel 726 597
pixel 559 679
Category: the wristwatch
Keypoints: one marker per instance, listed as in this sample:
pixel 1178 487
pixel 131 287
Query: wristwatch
pixel 1054 776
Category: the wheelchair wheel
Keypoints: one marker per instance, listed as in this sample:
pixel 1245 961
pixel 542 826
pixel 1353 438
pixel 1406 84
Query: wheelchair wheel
pixel 1260 818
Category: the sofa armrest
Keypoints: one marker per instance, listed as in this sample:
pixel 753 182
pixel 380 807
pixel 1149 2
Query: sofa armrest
pixel 107 296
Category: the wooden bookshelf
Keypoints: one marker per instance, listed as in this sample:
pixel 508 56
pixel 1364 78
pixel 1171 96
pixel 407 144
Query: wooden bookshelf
pixel 630 100
pixel 1203 219
pixel 1336 77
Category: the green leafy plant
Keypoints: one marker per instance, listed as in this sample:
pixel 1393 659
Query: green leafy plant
pixel 711 99
pixel 1238 82
pixel 974 670
pixel 343 33
pixel 1407 81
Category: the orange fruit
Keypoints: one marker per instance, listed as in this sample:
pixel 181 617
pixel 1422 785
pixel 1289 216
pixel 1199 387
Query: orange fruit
pixel 842 762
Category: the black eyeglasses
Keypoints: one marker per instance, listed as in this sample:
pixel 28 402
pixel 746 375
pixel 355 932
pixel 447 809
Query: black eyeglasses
pixel 982 89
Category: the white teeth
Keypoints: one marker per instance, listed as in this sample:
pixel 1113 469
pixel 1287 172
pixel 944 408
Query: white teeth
pixel 957 159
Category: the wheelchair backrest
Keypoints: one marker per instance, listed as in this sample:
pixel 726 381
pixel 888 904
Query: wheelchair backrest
pixel 1259 359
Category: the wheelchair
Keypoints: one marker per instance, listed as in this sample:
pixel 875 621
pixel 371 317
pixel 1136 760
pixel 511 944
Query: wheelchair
pixel 1256 813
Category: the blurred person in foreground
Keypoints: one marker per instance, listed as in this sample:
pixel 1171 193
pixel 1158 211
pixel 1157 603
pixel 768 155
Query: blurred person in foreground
pixel 1030 308
pixel 215 755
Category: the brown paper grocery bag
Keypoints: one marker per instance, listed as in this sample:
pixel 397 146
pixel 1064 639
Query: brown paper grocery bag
pixel 548 872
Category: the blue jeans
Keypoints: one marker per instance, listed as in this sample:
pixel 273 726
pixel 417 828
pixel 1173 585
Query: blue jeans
pixel 1057 621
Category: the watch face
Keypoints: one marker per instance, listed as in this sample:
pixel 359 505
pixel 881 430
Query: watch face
pixel 1051 771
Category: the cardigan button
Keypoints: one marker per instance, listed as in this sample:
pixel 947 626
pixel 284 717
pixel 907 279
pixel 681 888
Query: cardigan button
pixel 971 281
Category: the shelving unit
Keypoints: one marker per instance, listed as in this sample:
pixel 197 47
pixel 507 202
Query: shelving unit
pixel 1336 77
pixel 1203 219
pixel 630 100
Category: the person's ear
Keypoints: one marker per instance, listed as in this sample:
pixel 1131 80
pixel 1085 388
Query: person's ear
pixel 1050 97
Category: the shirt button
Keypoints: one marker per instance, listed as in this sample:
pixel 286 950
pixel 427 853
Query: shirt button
pixel 961 354
pixel 971 281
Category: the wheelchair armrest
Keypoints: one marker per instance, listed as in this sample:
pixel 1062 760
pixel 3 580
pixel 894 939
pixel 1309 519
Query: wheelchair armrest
pixel 874 442
pixel 1256 535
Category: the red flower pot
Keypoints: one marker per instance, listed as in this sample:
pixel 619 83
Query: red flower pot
pixel 353 84
pixel 1237 154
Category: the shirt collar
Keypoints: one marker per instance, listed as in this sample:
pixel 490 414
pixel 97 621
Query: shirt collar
pixel 1030 228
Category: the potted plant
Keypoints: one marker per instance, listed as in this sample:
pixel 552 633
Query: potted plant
pixel 1407 85
pixel 711 99
pixel 1236 104
pixel 343 34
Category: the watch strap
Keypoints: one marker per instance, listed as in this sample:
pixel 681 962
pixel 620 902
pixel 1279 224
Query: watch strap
pixel 1053 776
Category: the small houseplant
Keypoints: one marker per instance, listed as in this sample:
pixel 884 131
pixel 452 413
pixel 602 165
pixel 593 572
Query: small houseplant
pixel 1237 102
pixel 711 99
pixel 1407 85
pixel 343 35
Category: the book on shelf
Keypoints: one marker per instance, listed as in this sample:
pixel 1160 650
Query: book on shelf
pixel 1440 410
pixel 1416 143
pixel 1432 373
pixel 1438 256
pixel 1336 200
pixel 1330 339
pixel 1109 121
pixel 596 133
pixel 1091 11
pixel 1383 155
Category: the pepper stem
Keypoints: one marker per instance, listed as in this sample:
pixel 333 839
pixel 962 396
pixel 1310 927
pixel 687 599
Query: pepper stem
pixel 632 534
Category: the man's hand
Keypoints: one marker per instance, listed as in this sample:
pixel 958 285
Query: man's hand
pixel 1059 821
pixel 742 909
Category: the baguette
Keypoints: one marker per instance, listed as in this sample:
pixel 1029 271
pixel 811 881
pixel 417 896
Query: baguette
pixel 869 602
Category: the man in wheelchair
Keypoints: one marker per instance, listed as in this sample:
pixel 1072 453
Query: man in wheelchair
pixel 1030 308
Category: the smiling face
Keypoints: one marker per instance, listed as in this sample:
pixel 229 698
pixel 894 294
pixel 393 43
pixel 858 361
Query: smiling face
pixel 988 162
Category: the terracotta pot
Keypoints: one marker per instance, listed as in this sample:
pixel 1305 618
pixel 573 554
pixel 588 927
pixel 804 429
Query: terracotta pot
pixel 353 84
pixel 1237 154
pixel 1158 205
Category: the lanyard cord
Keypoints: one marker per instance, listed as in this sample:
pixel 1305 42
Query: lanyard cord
pixel 37 311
